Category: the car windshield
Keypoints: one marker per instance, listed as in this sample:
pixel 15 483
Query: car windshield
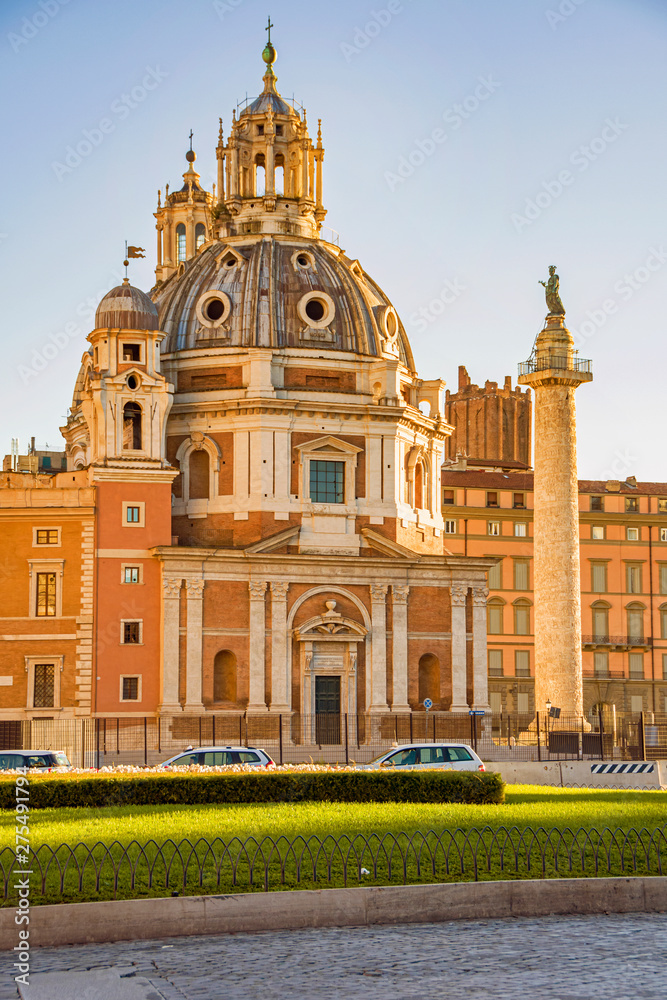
pixel 61 760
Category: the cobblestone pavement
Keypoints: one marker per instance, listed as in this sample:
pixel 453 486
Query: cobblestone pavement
pixel 616 957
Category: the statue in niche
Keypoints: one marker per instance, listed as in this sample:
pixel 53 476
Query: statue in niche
pixel 551 288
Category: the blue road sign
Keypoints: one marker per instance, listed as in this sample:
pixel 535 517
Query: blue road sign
pixel 428 703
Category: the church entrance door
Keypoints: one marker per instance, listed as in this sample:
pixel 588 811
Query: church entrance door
pixel 327 710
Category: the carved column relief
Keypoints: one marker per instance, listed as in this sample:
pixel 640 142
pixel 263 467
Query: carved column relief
pixel 171 593
pixel 256 647
pixel 400 647
pixel 458 592
pixel 479 656
pixel 281 681
pixel 376 698
pixel 193 645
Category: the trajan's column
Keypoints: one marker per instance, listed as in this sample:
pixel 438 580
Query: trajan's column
pixel 554 371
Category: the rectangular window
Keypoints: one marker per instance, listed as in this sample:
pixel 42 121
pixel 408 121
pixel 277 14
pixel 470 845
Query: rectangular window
pixel 636 703
pixel 521 619
pixel 636 624
pixel 492 499
pixel 601 664
pixel 601 623
pixel 130 689
pixel 633 579
pixel 131 352
pixel 47 536
pixel 450 527
pixel 599 578
pixel 523 703
pixel 45 679
pixel 496 702
pixel 663 623
pixel 636 665
pixel 493 527
pixel 663 534
pixel 632 534
pixel 494 619
pixel 662 506
pixel 663 579
pixel 519 501
pixel 664 673
pixel 46 595
pixel 132 515
pixel 496 576
pixel 522 662
pixel 131 574
pixel 495 662
pixel 520 529
pixel 131 633
pixel 448 497
pixel 521 574
pixel 597 532
pixel 631 505
pixel 597 503
pixel 327 481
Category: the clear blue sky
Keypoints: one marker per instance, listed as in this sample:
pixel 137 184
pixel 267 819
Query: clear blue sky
pixel 561 99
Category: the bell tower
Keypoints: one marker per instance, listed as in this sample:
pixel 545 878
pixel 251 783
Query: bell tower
pixel 183 223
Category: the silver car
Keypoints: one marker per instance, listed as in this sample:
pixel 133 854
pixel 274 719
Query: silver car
pixel 425 756
pixel 36 760
pixel 219 757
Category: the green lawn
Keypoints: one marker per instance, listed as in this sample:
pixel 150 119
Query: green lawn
pixel 455 857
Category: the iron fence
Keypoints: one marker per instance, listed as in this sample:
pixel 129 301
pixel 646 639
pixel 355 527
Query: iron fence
pixel 66 873
pixel 333 738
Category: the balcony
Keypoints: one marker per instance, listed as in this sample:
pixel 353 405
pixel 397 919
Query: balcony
pixel 604 675
pixel 563 362
pixel 617 641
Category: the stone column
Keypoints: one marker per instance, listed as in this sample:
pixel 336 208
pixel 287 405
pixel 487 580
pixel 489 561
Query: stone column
pixel 171 594
pixel 257 646
pixel 480 696
pixel 193 646
pixel 458 593
pixel 281 681
pixel 378 667
pixel 554 372
pixel 399 605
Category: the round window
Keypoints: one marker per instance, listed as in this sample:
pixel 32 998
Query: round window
pixel 133 382
pixel 213 308
pixel 302 260
pixel 315 309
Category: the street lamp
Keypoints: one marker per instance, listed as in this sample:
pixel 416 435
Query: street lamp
pixel 548 706
pixel 547 725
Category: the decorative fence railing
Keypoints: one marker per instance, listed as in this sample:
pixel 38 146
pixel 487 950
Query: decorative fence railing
pixel 66 873
pixel 334 738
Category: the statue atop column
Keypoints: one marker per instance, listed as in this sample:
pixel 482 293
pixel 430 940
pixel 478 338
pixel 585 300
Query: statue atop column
pixel 551 287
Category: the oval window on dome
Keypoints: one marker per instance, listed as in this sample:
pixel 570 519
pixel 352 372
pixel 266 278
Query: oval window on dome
pixel 303 260
pixel 316 309
pixel 132 382
pixel 213 308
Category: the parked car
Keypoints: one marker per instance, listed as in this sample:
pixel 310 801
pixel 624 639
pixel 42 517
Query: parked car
pixel 424 756
pixel 42 760
pixel 219 756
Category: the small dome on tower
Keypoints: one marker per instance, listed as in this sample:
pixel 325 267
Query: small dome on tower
pixel 127 307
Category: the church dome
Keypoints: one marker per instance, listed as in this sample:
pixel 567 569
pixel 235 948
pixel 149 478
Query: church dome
pixel 128 308
pixel 278 292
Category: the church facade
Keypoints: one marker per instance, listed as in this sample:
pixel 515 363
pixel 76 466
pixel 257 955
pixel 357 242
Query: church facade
pixel 263 463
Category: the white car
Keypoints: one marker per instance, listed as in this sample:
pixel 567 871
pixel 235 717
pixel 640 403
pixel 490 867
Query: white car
pixel 219 757
pixel 426 756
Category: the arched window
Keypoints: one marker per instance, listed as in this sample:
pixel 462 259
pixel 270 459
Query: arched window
pixel 280 175
pixel 429 679
pixel 200 235
pixel 419 486
pixel 180 243
pixel 199 475
pixel 522 617
pixel 494 616
pixel 224 676
pixel 600 613
pixel 131 427
pixel 635 614
pixel 260 176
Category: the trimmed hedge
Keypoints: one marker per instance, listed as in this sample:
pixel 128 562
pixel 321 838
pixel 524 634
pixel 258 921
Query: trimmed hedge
pixel 50 791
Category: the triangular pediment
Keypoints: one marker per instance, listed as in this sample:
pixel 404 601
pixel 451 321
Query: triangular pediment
pixel 329 443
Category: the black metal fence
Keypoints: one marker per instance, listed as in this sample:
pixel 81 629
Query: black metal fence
pixel 67 873
pixel 333 738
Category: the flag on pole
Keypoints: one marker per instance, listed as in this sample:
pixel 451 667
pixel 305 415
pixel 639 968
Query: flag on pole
pixel 136 252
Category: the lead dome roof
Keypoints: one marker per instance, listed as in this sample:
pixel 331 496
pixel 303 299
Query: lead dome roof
pixel 126 307
pixel 264 288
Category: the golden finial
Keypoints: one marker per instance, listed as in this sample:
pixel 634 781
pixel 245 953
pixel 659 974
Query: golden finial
pixel 319 133
pixel 269 55
pixel 159 194
pixel 220 133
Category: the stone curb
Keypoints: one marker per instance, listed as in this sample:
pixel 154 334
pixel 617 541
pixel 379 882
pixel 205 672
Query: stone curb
pixel 147 919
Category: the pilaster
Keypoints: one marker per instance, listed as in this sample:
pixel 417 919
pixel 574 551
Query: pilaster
pixel 479 655
pixel 399 606
pixel 193 659
pixel 257 646
pixel 377 696
pixel 458 592
pixel 171 595
pixel 281 681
